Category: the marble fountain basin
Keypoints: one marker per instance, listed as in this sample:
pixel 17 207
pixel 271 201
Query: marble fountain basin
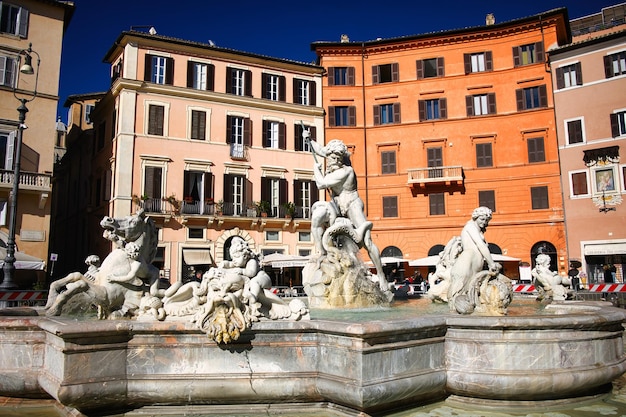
pixel 376 363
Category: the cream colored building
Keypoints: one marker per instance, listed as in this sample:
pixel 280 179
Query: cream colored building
pixel 589 79
pixel 42 24
pixel 197 135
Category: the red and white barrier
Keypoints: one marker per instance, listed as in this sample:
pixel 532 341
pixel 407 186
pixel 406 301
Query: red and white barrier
pixel 607 288
pixel 523 288
pixel 18 295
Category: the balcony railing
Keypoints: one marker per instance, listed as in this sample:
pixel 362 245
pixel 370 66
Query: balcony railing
pixel 28 180
pixel 435 175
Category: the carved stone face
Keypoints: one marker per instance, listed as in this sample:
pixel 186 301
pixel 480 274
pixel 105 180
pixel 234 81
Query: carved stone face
pixel 129 228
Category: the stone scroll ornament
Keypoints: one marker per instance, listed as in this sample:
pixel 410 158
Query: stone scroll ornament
pixel 460 276
pixel 229 299
pixel 337 277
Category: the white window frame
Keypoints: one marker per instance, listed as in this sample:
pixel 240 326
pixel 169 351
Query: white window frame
pixel 6 61
pixel 582 126
pixel 88 109
pixel 303 86
pixel 273 133
pixel 239 82
pixel 279 237
pixel 273 86
pixel 618 65
pixel 159 69
pixel 569 75
pixel 238 193
pixel 10 133
pixel 571 184
pixel 481 105
pixel 200 73
pixel 477 61
pixel 166 116
pixel 21 20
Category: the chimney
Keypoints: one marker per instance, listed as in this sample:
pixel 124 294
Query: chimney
pixel 490 19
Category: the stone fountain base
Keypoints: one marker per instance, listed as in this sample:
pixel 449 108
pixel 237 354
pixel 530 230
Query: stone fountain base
pixel 372 367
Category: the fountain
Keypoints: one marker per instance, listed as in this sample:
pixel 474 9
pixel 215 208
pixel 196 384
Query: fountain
pixel 228 346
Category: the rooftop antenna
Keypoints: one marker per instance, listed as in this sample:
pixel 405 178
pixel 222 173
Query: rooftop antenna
pixel 151 29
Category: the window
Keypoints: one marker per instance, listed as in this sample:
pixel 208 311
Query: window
pixel 272 236
pixel 200 76
pixel 432 109
pixel 116 71
pixel 273 87
pixel 430 68
pixel 569 76
pixel 300 144
pixel 7 143
pixel 385 73
pixel 615 64
pixel 484 155
pixel 156 119
pixel 153 182
pixel 481 104
pixel 487 198
pixel 579 184
pixel 305 193
pixel 238 135
pixel 342 115
pixel 88 109
pixel 239 82
pixel 159 69
pixel 237 192
pixel 304 236
pixel 574 131
pixel 618 124
pixel 531 97
pixel 387 114
pixel 437 205
pixel 198 125
pixel 7 71
pixel 388 162
pixel 528 54
pixel 539 197
pixel 390 206
pixel 536 150
pixel 435 162
pixel 274 191
pixel 340 76
pixel 198 192
pixel 478 62
pixel 304 92
pixel 14 20
pixel 195 233
pixel 274 135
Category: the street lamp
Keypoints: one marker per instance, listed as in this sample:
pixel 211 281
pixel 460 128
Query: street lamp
pixel 23 98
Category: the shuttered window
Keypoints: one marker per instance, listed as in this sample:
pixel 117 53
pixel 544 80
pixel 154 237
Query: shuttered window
pixel 156 115
pixel 198 125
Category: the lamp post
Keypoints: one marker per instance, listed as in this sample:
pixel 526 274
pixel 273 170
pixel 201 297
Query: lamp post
pixel 9 262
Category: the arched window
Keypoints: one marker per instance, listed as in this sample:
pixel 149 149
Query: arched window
pixel 493 248
pixel 433 251
pixel 392 251
pixel 546 248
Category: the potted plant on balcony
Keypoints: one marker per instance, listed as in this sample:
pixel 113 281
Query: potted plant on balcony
pixel 173 201
pixel 290 209
pixel 219 208
pixel 140 200
pixel 263 208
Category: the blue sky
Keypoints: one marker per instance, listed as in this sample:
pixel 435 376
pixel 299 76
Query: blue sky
pixel 280 28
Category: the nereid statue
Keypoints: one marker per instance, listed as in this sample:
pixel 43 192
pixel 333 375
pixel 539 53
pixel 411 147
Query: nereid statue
pixel 229 299
pixel 462 281
pixel 339 229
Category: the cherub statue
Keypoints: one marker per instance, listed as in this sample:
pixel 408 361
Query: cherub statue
pixel 549 284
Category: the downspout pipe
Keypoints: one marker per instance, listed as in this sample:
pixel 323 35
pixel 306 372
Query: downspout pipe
pixel 364 127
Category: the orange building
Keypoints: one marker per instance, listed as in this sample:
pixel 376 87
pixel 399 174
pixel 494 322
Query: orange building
pixel 444 122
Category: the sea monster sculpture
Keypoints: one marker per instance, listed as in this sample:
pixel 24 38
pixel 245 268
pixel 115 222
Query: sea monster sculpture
pixel 118 284
pixel 339 228
pixel 231 297
pixel 464 283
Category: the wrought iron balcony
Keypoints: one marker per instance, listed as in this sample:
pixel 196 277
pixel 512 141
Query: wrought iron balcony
pixel 435 175
pixel 29 181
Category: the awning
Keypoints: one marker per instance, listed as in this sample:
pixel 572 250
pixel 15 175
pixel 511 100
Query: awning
pixel 281 260
pixel 434 260
pixel 23 261
pixel 618 248
pixel 197 257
